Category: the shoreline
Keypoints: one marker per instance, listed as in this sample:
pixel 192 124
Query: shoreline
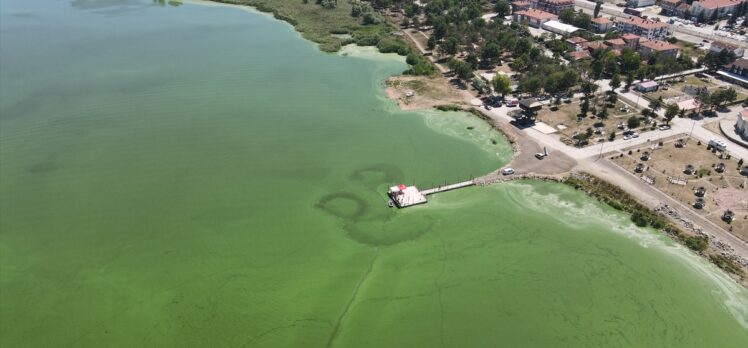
pixel 521 145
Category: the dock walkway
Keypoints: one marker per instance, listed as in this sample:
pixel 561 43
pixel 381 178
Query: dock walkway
pixel 445 188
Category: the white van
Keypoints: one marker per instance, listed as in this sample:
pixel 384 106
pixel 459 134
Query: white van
pixel 718 144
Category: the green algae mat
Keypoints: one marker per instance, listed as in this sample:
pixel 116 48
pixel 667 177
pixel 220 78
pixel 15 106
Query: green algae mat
pixel 200 176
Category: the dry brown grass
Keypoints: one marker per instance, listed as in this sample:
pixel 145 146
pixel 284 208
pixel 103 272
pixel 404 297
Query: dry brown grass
pixel 725 190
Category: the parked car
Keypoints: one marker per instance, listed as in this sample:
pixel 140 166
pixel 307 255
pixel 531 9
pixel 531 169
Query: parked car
pixel 664 127
pixel 507 171
pixel 540 155
pixel 512 102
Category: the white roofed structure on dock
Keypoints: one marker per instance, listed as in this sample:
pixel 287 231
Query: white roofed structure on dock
pixel 406 196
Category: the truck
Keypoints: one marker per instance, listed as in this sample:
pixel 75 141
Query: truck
pixel 718 144
pixel 632 11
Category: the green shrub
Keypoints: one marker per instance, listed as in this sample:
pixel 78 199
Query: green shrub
pixel 697 243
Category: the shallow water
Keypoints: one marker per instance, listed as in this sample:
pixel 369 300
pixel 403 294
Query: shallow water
pixel 202 176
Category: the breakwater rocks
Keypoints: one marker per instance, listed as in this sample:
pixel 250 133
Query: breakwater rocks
pixel 722 248
pixel 496 177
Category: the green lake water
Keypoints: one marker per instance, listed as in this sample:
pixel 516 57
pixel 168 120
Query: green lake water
pixel 202 176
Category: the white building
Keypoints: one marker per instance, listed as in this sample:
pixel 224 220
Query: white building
pixel 741 126
pixel 559 28
pixel 647 86
pixel 707 8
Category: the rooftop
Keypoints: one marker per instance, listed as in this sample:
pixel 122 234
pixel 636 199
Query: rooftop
pixel 672 2
pixel 630 36
pixel 659 45
pixel 601 20
pixel 536 14
pixel 554 24
pixel 594 45
pixel 742 62
pixel 648 84
pixel 712 4
pixel 577 55
pixel 615 42
pixel 576 40
pixel 722 45
pixel 642 23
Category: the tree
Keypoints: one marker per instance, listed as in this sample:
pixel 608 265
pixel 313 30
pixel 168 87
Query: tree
pixel 501 84
pixel 615 81
pixel 462 69
pixel 431 43
pixel 530 84
pixel 671 110
pixel 588 88
pixel 596 69
pixel 629 80
pixel 655 105
pixel 567 16
pixel 582 20
pixel 704 99
pixel 633 122
pixel 722 96
pixel 630 60
pixel 611 63
pixel 584 107
pixel 604 112
pixel 502 8
pixel 449 46
pixel 412 10
pixel 598 6
pixel 489 52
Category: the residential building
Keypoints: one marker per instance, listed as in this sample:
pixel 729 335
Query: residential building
pixel 683 10
pixel 647 86
pixel 718 46
pixel 615 44
pixel 632 40
pixel 601 24
pixel 521 5
pixel 576 42
pixel 534 17
pixel 639 3
pixel 642 27
pixel 741 126
pixel 579 55
pixel 662 48
pixel 594 46
pixel 670 7
pixel 553 6
pixel 710 8
pixel 735 72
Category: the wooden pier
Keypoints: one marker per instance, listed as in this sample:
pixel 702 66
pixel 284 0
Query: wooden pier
pixel 446 188
pixel 407 196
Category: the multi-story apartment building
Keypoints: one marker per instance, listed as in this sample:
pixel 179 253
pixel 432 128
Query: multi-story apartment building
pixel 649 29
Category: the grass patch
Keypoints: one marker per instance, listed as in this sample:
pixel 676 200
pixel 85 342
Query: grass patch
pixel 317 24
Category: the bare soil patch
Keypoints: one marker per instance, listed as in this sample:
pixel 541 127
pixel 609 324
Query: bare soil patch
pixel 428 92
pixel 666 167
